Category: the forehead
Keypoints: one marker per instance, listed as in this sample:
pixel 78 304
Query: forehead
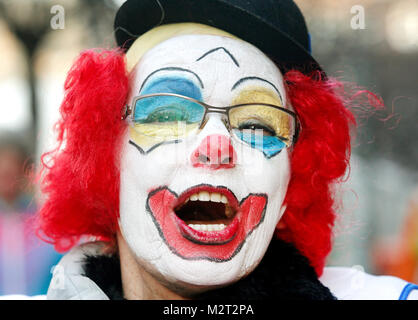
pixel 190 48
pixel 216 60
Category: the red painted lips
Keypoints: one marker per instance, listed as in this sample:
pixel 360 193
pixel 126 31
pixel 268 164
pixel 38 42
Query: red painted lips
pixel 219 245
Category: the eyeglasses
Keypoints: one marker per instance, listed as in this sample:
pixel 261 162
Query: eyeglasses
pixel 172 116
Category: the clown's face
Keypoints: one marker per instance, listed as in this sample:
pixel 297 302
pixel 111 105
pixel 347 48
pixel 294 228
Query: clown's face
pixel 199 203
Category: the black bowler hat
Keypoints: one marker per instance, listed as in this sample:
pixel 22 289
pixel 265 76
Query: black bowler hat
pixel 276 27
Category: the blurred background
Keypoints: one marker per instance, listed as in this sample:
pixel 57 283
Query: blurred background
pixel 373 43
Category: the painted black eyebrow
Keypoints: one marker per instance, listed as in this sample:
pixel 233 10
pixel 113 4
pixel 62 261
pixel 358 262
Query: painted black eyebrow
pixel 171 69
pixel 256 78
pixel 220 48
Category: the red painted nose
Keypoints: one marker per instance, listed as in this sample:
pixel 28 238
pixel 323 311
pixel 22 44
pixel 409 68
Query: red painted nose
pixel 215 152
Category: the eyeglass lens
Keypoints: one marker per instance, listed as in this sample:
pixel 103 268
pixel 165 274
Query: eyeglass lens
pixel 171 117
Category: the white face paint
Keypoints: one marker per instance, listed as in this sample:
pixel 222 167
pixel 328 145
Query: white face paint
pixel 158 177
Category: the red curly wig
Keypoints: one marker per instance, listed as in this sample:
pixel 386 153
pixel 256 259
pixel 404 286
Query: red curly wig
pixel 81 180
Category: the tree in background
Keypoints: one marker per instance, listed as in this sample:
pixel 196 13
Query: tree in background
pixel 30 23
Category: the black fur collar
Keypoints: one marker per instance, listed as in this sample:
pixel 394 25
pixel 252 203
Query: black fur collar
pixel 283 274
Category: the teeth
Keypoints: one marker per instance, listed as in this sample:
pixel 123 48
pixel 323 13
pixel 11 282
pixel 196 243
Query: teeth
pixel 207 227
pixel 228 211
pixel 215 197
pixel 206 196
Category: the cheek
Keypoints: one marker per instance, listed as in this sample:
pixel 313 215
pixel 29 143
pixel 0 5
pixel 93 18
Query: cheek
pixel 277 172
pixel 141 173
pixel 270 176
pixel 152 168
pixel 263 174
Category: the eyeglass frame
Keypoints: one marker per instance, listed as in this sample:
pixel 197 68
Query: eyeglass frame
pixel 130 111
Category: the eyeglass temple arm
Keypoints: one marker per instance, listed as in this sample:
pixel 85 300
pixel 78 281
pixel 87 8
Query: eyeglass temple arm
pixel 126 111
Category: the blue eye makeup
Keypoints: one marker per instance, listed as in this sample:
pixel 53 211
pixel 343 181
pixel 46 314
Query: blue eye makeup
pixel 173 84
pixel 166 109
pixel 269 145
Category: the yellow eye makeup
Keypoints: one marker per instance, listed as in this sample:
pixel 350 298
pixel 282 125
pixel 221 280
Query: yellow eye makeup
pixel 257 94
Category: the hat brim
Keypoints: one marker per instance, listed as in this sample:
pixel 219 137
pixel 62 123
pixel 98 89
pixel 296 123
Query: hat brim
pixel 134 18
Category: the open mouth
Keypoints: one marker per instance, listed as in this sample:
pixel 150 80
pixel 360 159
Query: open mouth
pixel 205 222
pixel 207 216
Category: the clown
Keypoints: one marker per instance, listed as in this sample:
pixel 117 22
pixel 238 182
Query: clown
pixel 201 157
